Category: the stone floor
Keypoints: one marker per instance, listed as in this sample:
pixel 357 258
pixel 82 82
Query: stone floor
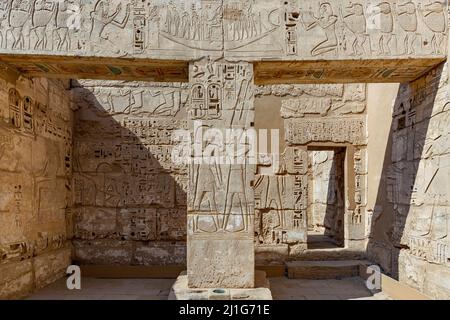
pixel 158 289
pixel 317 240
pixel 303 289
pixel 108 289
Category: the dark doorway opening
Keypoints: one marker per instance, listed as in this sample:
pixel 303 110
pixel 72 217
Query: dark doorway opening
pixel 326 194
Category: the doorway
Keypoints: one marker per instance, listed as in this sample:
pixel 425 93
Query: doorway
pixel 326 194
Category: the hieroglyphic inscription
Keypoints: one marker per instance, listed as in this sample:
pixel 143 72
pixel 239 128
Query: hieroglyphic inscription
pixel 126 185
pixel 326 130
pixel 281 201
pixel 220 194
pixel 419 169
pixel 252 29
pixel 35 164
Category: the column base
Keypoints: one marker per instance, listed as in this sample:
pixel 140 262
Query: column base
pixel 180 290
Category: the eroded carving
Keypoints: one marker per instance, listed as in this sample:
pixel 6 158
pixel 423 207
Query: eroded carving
pixel 252 29
pixel 326 130
pixel 35 161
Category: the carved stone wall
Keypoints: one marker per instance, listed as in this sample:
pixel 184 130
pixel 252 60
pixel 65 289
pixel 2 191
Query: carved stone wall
pixel 363 32
pixel 314 117
pixel 251 30
pixel 131 200
pixel 36 122
pixel 129 197
pixel 411 217
pixel 119 222
pixel 220 197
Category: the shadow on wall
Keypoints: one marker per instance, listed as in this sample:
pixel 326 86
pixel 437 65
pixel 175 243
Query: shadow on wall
pixel 410 221
pixel 335 208
pixel 129 198
pixel 326 228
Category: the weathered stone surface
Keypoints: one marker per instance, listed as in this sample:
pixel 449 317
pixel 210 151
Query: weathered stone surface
pixel 348 71
pixel 103 252
pixel 36 120
pixel 335 130
pixel 221 262
pixel 16 280
pixel 181 291
pixel 160 253
pixel 51 266
pixel 220 194
pixel 124 201
pixel 92 223
pixel 415 247
pixel 189 29
pixel 126 186
pixel 117 252
pixel 323 269
pixel 142 32
pixel 437 282
pixel 315 187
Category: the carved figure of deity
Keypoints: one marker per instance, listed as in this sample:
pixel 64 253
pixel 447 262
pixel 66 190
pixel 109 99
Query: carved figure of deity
pixel 386 25
pixel 355 20
pixel 433 16
pixel 407 19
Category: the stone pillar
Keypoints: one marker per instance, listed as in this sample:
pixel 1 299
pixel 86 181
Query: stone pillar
pixel 220 249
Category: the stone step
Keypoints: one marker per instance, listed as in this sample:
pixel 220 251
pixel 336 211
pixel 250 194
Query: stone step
pixel 324 269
